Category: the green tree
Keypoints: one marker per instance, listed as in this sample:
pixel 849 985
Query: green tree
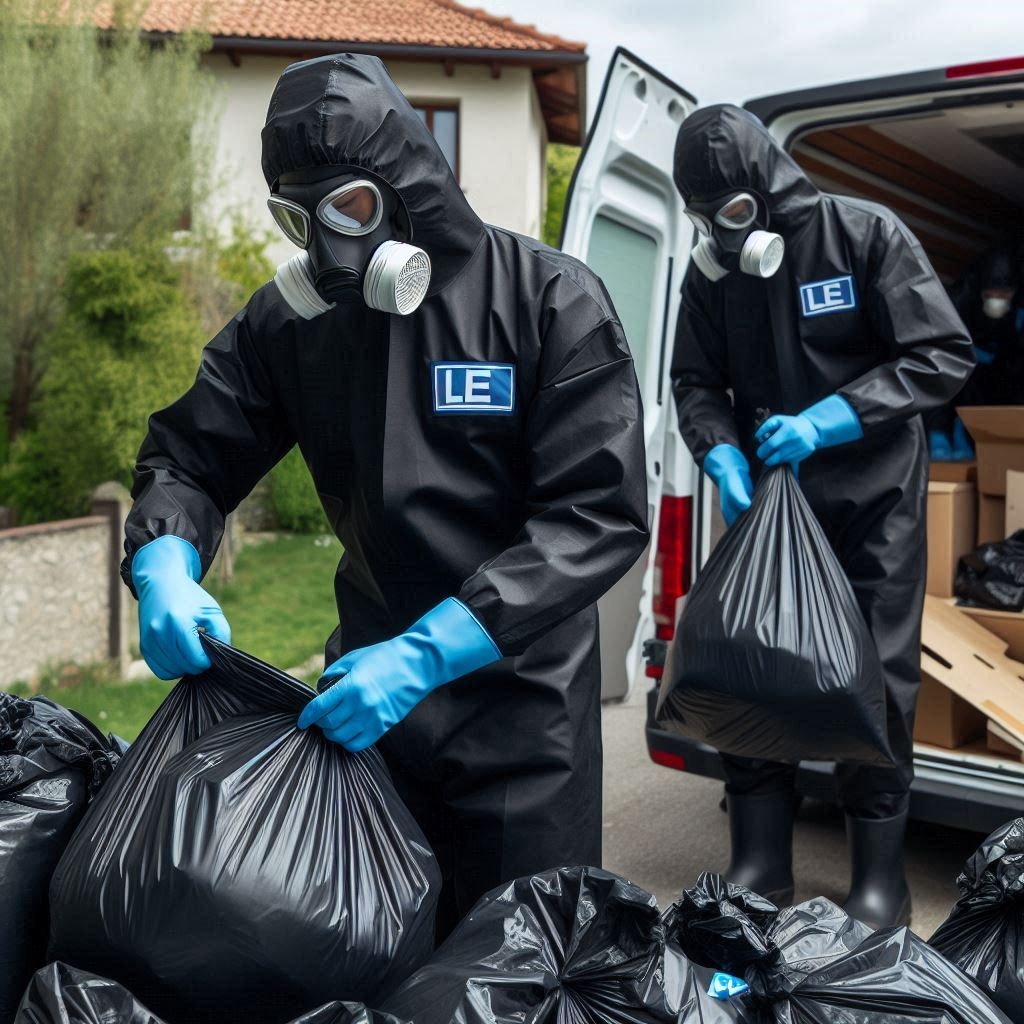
pixel 561 163
pixel 127 345
pixel 105 137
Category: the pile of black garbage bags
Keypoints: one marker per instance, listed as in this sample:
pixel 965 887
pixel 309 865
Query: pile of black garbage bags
pixel 228 867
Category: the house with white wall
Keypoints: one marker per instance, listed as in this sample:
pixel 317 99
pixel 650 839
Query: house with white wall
pixel 492 91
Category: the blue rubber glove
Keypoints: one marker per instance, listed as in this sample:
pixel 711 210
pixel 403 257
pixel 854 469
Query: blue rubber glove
pixel 172 607
pixel 939 447
pixel 728 467
pixel 791 439
pixel 379 685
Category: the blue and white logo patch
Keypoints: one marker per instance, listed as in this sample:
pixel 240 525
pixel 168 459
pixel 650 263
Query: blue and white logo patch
pixel 725 986
pixel 474 389
pixel 831 296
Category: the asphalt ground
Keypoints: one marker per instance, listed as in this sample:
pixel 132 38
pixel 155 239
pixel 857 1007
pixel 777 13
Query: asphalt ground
pixel 662 828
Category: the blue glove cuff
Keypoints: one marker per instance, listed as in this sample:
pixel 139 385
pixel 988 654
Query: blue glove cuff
pixel 835 421
pixel 723 459
pixel 455 632
pixel 167 554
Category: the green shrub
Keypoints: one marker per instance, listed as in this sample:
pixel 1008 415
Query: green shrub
pixel 561 161
pixel 293 497
pixel 128 344
pixel 244 262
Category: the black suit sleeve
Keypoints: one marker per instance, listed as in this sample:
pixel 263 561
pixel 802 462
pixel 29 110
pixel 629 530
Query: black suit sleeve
pixel 930 348
pixel 700 374
pixel 587 497
pixel 206 452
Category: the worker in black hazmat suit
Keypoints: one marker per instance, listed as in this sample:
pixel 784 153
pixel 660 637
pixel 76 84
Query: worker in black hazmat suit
pixel 466 403
pixel 990 299
pixel 825 311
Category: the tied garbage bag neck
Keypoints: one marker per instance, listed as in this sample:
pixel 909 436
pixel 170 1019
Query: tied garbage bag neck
pixel 984 933
pixel 239 868
pixel 814 964
pixel 59 994
pixel 53 762
pixel 772 658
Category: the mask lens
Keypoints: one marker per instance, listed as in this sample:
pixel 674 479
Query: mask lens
pixel 292 219
pixel 700 223
pixel 353 209
pixel 738 212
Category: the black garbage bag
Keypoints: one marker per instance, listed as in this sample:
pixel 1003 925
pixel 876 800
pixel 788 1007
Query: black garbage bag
pixel 238 868
pixel 59 994
pixel 772 658
pixel 984 933
pixel 814 964
pixel 993 575
pixel 52 762
pixel 574 944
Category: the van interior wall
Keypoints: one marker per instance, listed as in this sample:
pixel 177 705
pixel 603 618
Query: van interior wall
pixel 954 176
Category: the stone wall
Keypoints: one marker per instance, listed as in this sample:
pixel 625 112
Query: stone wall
pixel 60 597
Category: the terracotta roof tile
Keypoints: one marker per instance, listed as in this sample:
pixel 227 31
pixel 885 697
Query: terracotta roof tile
pixel 442 23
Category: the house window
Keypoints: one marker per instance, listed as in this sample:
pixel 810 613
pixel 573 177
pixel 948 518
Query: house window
pixel 443 123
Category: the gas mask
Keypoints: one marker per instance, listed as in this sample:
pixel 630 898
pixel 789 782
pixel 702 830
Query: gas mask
pixel 732 238
pixel 346 230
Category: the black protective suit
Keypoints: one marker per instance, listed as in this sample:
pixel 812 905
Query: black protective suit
pixel 892 346
pixel 527 514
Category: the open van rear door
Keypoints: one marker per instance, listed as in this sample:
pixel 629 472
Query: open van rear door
pixel 624 219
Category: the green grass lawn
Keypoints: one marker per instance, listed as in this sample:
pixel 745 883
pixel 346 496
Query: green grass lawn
pixel 280 606
pixel 281 602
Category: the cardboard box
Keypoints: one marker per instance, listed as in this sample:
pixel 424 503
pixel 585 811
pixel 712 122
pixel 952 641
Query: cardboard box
pixel 1008 626
pixel 991 518
pixel 961 655
pixel 1014 502
pixel 953 472
pixel 952 532
pixel 998 433
pixel 944 719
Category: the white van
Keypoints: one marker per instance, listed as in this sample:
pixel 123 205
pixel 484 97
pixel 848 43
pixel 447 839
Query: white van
pixel 944 149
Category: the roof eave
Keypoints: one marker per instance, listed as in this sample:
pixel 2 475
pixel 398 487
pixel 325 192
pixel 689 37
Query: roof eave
pixel 538 61
pixel 464 54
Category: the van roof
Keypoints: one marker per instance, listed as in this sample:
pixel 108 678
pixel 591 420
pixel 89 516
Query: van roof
pixel 1008 70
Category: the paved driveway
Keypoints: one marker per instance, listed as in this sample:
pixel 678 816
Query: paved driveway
pixel 662 828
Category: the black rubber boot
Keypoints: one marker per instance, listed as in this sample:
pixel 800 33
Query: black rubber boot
pixel 761 835
pixel 879 894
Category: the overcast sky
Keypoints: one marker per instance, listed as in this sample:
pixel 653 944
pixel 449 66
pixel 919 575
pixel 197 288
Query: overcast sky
pixel 734 50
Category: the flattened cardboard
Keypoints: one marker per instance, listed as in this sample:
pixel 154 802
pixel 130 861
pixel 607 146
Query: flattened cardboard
pixel 1008 626
pixel 966 658
pixel 1000 742
pixel 998 433
pixel 952 531
pixel 991 519
pixel 953 472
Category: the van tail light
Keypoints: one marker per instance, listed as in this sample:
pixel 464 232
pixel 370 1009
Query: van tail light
pixel 986 67
pixel 667 760
pixel 671 566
